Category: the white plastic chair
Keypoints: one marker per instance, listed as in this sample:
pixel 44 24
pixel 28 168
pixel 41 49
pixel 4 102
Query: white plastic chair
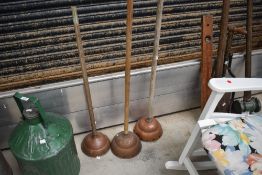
pixel 208 117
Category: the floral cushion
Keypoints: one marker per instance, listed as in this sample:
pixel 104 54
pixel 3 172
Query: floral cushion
pixel 236 146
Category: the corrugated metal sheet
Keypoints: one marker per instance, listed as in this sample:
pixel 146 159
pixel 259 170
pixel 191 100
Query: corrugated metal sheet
pixel 37 42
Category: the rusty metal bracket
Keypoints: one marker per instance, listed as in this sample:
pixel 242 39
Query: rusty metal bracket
pixel 207 50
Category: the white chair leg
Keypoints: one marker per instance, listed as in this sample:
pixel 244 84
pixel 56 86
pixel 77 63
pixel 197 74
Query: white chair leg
pixel 184 162
pixel 199 152
pixel 190 145
pixel 195 134
pixel 190 166
pixel 203 165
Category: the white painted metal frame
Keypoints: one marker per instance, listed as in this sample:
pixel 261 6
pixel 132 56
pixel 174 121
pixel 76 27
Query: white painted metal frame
pixel 208 117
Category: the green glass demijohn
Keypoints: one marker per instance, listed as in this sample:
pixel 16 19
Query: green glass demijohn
pixel 43 142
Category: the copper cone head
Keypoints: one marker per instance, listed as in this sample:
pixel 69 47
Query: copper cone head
pixel 126 145
pixel 95 145
pixel 148 131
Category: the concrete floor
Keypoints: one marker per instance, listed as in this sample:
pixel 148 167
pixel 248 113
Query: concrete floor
pixel 151 160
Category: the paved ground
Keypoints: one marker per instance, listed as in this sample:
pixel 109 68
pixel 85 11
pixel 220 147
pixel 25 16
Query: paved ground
pixel 151 160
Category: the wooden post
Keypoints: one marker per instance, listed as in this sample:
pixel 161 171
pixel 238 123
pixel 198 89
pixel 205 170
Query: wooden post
pixel 206 63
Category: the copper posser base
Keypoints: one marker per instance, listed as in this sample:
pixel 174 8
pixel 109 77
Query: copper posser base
pixel 126 145
pixel 95 145
pixel 148 131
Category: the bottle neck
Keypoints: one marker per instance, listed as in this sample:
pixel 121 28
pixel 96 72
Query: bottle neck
pixel 32 116
pixel 33 121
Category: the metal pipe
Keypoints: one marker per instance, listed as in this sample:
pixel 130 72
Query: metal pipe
pixel 247 94
pixel 83 67
pixel 222 39
pixel 129 21
pixel 155 58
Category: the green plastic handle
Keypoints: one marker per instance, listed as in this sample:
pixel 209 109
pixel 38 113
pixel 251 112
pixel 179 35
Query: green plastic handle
pixel 20 98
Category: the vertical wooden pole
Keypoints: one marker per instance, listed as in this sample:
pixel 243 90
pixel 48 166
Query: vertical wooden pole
pixel 219 63
pixel 83 67
pixel 247 94
pixel 222 39
pixel 128 60
pixel 155 58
